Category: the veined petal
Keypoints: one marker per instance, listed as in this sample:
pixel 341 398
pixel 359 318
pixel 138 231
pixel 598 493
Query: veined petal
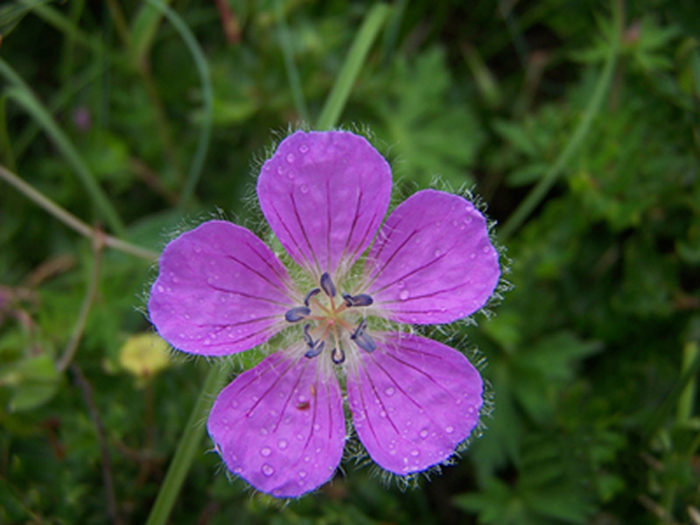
pixel 220 290
pixel 433 261
pixel 413 401
pixel 325 195
pixel 280 426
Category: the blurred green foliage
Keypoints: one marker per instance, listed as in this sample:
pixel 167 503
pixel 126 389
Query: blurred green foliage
pixel 593 355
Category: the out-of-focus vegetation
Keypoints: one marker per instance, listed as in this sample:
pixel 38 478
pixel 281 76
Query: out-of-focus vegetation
pixel 576 121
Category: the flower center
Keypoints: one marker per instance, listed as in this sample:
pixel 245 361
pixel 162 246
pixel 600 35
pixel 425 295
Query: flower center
pixel 334 322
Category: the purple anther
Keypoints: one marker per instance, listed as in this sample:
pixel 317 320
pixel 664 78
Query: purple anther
pixel 309 295
pixel 327 285
pixel 307 337
pixel 315 350
pixel 357 300
pixel 338 356
pixel 362 339
pixel 296 314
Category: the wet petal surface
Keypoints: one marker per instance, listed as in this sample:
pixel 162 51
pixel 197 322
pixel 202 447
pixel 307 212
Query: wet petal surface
pixel 413 401
pixel 280 426
pixel 325 195
pixel 433 261
pixel 220 290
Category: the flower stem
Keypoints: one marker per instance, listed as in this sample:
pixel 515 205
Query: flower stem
pixel 351 67
pixel 539 192
pixel 188 446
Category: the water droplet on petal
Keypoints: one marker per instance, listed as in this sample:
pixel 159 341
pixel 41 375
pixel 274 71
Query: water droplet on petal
pixel 472 256
pixel 302 473
pixel 290 158
pixel 424 433
pixel 403 295
pixel 160 288
pixel 390 391
pixel 437 253
pixel 450 429
pixel 290 174
pixel 485 249
pixel 303 148
pixel 414 452
pixel 304 188
pixel 282 444
pixel 265 451
pixel 400 284
pixel 280 169
pixel 268 470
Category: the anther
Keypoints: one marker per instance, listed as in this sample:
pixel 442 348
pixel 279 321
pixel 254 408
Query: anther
pixel 338 356
pixel 315 350
pixel 362 339
pixel 327 285
pixel 307 337
pixel 357 300
pixel 309 295
pixel 296 314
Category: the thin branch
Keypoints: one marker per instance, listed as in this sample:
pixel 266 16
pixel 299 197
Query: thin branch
pixel 88 397
pixel 89 298
pixel 71 220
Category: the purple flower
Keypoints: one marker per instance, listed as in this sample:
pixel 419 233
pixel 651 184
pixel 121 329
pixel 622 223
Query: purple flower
pixel 221 290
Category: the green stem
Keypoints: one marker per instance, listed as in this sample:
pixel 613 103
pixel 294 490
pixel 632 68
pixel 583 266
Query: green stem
pixel 351 68
pixel 289 63
pixel 538 193
pixel 188 446
pixel 200 61
pixel 686 400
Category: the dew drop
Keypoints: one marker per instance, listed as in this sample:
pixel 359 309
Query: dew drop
pixel 302 473
pixel 450 429
pixel 290 174
pixel 303 148
pixel 280 169
pixel 437 253
pixel 472 256
pixel 317 427
pixel 160 288
pixel 389 391
pixel 290 158
pixel 300 437
pixel 485 249
pixel 268 470
pixel 468 218
pixel 382 414
pixel 414 452
pixel 198 249
pixel 265 451
pixel 400 284
pixel 424 433
pixel 237 470
pixel 234 403
pixel 307 459
pixel 282 444
pixel 403 295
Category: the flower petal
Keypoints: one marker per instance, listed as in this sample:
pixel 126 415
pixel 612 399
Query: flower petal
pixel 433 261
pixel 413 401
pixel 325 195
pixel 280 426
pixel 220 290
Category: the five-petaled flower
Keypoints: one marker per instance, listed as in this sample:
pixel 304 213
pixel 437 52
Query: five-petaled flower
pixel 281 425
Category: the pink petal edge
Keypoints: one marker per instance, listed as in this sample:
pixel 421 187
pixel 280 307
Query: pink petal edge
pixel 280 425
pixel 220 290
pixel 324 195
pixel 433 261
pixel 413 401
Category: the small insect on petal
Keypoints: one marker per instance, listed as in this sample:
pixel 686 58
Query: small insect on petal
pixel 327 285
pixel 296 314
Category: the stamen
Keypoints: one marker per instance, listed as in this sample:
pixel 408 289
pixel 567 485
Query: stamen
pixel 307 337
pixel 357 300
pixel 296 314
pixel 362 339
pixel 315 350
pixel 327 285
pixel 338 356
pixel 309 295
